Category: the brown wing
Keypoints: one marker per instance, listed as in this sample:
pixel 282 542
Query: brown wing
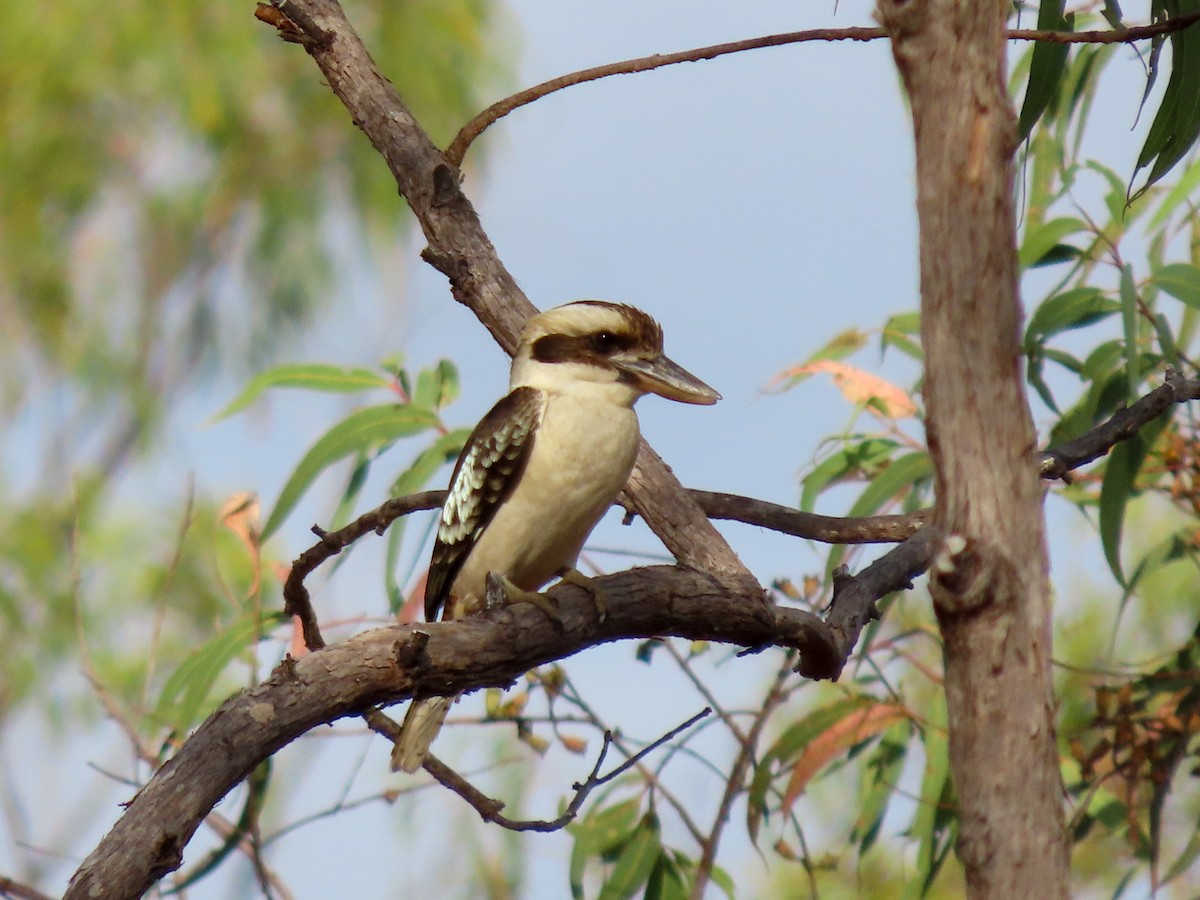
pixel 484 476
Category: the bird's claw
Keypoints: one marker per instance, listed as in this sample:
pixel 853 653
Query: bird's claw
pixel 514 594
pixel 577 578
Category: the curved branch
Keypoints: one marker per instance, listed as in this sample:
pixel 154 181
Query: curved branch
pixel 501 108
pixel 296 601
pixel 387 665
pixel 498 110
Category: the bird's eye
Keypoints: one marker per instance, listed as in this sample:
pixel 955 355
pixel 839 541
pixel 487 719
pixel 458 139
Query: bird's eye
pixel 604 341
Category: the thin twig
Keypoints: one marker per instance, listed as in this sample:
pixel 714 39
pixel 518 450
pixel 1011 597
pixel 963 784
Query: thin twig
pixel 489 808
pixel 708 695
pixel 572 695
pixel 473 129
pixel 734 783
pixel 295 594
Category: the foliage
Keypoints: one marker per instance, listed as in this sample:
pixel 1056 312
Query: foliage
pixel 147 184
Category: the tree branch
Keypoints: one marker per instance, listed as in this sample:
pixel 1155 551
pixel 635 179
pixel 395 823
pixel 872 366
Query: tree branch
pixel 489 808
pixel 1124 424
pixel 498 110
pixel 296 600
pixel 459 248
pixel 388 665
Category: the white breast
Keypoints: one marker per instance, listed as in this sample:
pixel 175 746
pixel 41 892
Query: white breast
pixel 582 455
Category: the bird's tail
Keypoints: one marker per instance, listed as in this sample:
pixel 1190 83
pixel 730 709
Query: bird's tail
pixel 421 725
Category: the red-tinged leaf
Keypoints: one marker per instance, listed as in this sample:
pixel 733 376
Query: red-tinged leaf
pixel 861 387
pixel 855 727
pixel 839 347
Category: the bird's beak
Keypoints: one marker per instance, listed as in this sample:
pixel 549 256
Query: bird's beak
pixel 661 376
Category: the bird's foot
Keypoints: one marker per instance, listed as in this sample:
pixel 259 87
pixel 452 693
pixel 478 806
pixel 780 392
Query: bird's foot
pixel 514 594
pixel 577 578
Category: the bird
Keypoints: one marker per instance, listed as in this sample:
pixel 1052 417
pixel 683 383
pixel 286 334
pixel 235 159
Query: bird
pixel 541 468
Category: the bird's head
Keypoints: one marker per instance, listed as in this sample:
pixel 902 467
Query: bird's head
pixel 591 346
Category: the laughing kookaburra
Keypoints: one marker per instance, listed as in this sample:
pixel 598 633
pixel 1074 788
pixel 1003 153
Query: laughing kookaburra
pixel 541 468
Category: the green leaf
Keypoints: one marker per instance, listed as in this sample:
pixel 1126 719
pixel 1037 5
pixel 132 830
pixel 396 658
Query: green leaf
pixel 313 377
pixel 1033 374
pixel 597 834
pixel 903 332
pixel 1112 14
pixel 444 450
pixel 898 477
pixel 1129 319
pixel 1047 67
pixel 636 862
pixel 1166 341
pixel 881 775
pixel 1180 192
pixel 724 881
pixel 1045 237
pixel 354 486
pixel 1181 281
pixel 437 387
pixel 1186 858
pixel 1124 463
pixel 184 693
pixel 1064 359
pixel 366 430
pixel 861 457
pixel 451 386
pixel 1071 309
pixel 1176 125
pixel 840 346
pixel 666 881
pixel 924 826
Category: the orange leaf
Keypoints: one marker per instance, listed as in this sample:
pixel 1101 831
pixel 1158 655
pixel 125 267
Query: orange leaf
pixel 574 744
pixel 860 386
pixel 859 725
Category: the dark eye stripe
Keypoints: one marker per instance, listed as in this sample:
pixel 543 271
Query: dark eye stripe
pixel 556 348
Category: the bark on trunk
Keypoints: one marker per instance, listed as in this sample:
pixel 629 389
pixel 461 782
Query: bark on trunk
pixel 989 581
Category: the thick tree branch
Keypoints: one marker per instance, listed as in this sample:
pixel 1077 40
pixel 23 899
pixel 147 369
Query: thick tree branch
pixel 501 108
pixel 388 665
pixel 459 248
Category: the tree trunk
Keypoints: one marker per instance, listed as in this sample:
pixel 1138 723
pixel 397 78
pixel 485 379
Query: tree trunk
pixel 989 581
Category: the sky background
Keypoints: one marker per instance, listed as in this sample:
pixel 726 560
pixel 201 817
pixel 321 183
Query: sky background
pixel 757 205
